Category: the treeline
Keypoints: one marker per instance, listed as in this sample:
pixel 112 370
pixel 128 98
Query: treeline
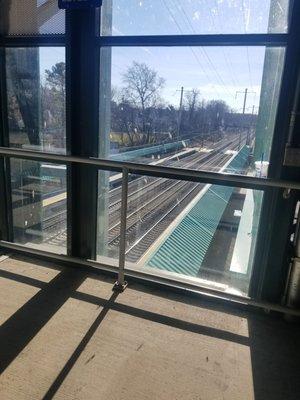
pixel 135 126
pixel 139 115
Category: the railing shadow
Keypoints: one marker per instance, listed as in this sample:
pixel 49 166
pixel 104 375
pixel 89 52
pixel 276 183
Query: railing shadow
pixel 274 345
pixel 28 320
pixel 79 349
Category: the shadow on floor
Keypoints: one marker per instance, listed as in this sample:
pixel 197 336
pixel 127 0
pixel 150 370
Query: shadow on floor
pixel 27 321
pixel 79 349
pixel 274 344
pixel 275 358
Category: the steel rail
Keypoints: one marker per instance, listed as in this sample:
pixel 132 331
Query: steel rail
pixel 195 160
pixel 165 215
pixel 159 277
pixel 217 178
pixel 160 194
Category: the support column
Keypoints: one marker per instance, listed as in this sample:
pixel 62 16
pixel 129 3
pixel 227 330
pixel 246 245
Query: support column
pixel 82 109
pixel 5 205
pixel 104 130
pixel 272 255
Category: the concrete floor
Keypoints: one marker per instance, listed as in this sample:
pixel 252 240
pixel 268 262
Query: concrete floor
pixel 65 335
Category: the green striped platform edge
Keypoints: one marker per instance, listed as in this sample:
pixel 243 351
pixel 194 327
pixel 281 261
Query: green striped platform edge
pixel 184 250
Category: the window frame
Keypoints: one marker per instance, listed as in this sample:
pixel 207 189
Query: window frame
pixel 83 163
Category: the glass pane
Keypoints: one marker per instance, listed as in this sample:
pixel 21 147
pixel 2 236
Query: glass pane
pixel 39 203
pixel 171 17
pixel 36 98
pixel 206 233
pixel 109 216
pixel 189 107
pixel 32 17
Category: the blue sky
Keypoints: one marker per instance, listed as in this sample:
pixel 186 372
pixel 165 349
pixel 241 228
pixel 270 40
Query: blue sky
pixel 132 17
pixel 218 73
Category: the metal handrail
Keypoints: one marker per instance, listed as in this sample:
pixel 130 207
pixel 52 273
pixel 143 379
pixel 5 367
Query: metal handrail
pixel 218 178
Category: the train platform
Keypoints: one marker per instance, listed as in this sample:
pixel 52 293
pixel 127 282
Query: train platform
pixel 182 248
pixel 118 177
pixel 244 237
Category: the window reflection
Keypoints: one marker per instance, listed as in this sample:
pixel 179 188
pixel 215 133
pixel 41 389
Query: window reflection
pixel 36 98
pixel 39 204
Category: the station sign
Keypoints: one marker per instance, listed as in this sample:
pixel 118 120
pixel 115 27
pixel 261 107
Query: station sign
pixel 77 4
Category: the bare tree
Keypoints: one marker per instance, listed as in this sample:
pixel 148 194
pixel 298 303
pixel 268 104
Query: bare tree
pixel 192 104
pixel 142 89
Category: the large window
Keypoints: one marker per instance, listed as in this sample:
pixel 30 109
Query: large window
pixel 179 100
pixel 36 112
pixel 169 104
pixel 172 17
pixel 208 108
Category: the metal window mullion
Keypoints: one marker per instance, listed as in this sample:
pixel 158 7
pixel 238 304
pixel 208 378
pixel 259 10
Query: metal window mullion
pixel 82 119
pixel 271 257
pixel 6 223
pixel 267 39
pixel 287 95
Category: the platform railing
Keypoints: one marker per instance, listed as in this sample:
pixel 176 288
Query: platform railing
pixel 165 278
pixel 235 180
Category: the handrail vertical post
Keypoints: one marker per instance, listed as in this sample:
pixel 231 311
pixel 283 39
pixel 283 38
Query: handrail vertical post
pixel 121 284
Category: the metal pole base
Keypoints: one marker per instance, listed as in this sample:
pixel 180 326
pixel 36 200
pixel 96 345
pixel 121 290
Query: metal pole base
pixel 120 287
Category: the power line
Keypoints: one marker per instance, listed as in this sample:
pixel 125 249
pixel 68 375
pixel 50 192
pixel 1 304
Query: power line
pixel 227 60
pixel 191 49
pixel 203 50
pixel 247 48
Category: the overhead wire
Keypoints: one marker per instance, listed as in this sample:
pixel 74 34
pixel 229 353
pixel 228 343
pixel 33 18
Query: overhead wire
pixel 226 58
pixel 247 48
pixel 191 48
pixel 203 50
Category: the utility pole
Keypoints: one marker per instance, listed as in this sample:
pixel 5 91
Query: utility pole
pixel 251 125
pixel 180 112
pixel 245 93
pixel 245 100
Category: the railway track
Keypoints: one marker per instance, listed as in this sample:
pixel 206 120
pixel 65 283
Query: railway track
pixel 161 211
pixel 141 208
pixel 137 185
pixel 153 203
pixel 137 248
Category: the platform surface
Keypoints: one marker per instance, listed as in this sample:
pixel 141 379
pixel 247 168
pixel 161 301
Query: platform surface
pixel 65 335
